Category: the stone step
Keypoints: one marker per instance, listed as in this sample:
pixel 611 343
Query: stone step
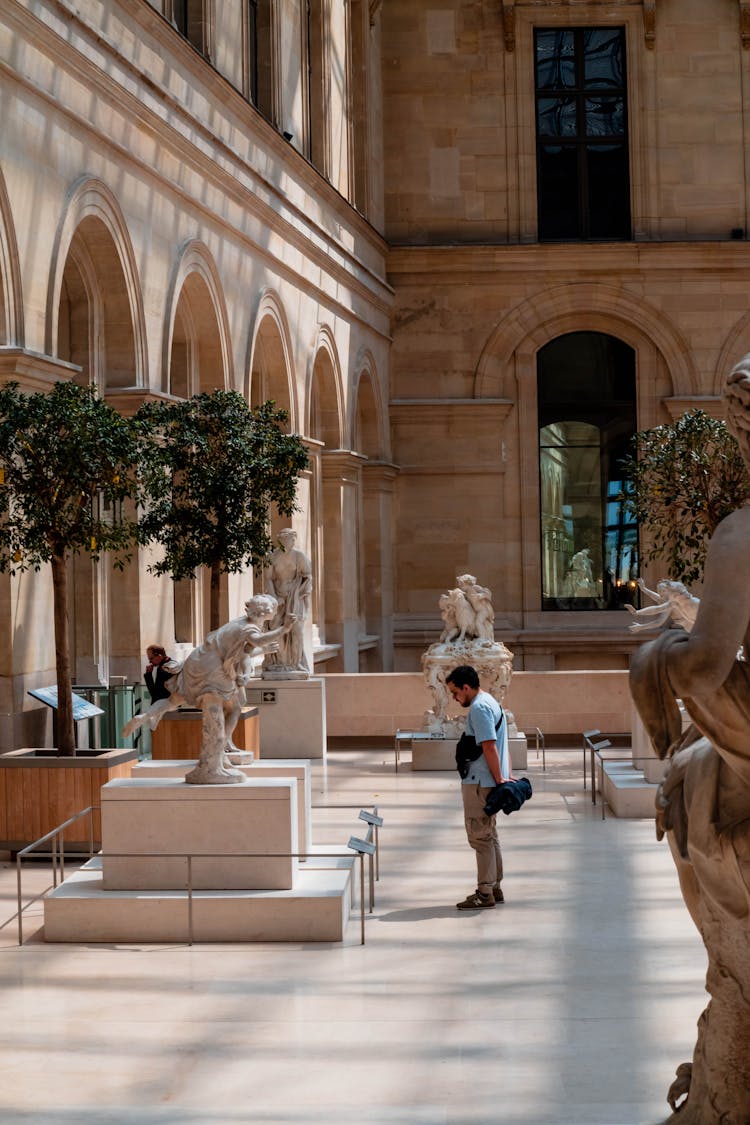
pixel 315 909
pixel 627 792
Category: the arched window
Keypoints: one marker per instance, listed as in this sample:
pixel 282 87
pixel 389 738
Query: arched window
pixel 587 417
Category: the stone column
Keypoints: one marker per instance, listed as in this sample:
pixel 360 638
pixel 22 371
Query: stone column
pixel 378 486
pixel 341 472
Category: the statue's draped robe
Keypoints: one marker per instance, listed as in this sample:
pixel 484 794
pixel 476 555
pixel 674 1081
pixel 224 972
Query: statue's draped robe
pixel 704 806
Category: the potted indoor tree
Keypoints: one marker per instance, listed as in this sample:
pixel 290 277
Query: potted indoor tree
pixel 211 474
pixel 683 479
pixel 68 468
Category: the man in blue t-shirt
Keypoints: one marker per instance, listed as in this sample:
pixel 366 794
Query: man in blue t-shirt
pixel 487 725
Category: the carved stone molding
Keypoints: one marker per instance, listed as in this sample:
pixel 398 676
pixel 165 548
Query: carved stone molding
pixel 745 23
pixel 649 23
pixel 677 405
pixel 509 24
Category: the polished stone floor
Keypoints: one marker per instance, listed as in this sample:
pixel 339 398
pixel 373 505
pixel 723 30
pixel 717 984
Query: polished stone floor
pixel 571 1005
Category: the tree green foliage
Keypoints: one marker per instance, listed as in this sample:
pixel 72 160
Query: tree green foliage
pixel 211 476
pixel 68 463
pixel 685 478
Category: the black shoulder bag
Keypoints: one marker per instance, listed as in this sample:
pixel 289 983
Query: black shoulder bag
pixel 468 749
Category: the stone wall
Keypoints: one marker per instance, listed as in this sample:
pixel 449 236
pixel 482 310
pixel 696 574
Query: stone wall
pixel 375 706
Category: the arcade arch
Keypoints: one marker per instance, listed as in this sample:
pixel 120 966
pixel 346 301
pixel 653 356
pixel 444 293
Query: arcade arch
pixel 197 352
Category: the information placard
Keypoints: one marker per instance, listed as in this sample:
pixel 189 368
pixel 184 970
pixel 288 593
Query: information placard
pixel 82 709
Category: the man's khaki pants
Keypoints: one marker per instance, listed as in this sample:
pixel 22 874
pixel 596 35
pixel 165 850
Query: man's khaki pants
pixel 482 836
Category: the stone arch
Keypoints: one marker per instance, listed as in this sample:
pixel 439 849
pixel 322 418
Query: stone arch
pixel 581 306
pixel 324 395
pixel 367 425
pixel 736 346
pixel 270 371
pixel 196 355
pixel 11 294
pixel 93 229
pixel 507 369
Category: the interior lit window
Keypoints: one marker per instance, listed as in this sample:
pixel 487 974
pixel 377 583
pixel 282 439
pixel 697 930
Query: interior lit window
pixel 587 417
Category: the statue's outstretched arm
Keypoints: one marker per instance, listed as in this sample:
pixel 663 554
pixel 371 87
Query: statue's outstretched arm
pixel 703 664
pixel 650 593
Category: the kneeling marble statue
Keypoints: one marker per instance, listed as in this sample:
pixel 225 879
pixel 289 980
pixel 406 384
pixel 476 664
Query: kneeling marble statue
pixel 703 804
pixel 212 679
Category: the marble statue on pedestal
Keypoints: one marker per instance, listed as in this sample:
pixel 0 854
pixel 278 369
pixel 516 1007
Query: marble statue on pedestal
pixel 212 679
pixel 674 603
pixel 290 582
pixel 468 637
pixel 703 803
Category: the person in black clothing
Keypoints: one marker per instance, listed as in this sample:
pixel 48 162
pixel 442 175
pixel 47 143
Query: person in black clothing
pixel 156 674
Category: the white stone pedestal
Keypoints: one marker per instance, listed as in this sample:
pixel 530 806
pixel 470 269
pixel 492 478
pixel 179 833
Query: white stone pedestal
pixel 299 769
pixel 292 717
pixel 645 757
pixel 160 818
pixel 519 751
pixel 440 753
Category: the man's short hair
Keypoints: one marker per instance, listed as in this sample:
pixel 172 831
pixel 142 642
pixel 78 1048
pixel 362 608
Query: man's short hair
pixel 463 676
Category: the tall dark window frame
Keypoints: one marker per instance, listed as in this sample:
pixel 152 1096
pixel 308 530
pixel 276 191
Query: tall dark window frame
pixel 190 20
pixel 583 173
pixel 252 50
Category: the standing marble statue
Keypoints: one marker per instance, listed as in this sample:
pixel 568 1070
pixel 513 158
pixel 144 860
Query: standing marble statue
pixel 579 581
pixel 703 804
pixel 290 582
pixel 212 679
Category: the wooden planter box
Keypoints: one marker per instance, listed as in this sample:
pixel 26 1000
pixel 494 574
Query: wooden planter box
pixel 39 790
pixel 178 735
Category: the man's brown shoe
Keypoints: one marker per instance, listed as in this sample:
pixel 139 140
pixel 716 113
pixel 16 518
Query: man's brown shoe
pixel 476 901
pixel 498 895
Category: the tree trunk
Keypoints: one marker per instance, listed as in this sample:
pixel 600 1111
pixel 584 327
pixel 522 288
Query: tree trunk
pixel 214 607
pixel 66 742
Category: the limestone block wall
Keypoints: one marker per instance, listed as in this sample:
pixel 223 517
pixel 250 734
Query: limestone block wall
pixel 376 705
pixel 459 125
pixel 160 237
pixel 477 296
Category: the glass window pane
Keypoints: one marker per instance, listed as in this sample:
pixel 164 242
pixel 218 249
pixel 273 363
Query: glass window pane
pixel 556 117
pixel 589 548
pixel 603 53
pixel 608 191
pixel 558 192
pixel 555 60
pixel 605 116
pixel 571 522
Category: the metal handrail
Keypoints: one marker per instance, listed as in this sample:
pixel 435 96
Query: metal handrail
pixel 592 746
pixel 539 736
pixel 58 857
pixel 189 856
pixel 587 736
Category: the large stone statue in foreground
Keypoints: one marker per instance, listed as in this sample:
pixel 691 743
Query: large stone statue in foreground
pixel 212 679
pixel 703 804
pixel 468 637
